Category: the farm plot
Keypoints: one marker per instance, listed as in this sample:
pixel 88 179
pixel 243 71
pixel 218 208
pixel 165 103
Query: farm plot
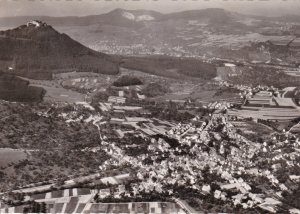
pixel 62 95
pixel 250 127
pixel 275 114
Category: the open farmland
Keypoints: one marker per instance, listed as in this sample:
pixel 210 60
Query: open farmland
pixel 204 92
pixel 275 114
pixel 264 75
pixel 178 89
pixel 55 92
pixel 62 95
pixel 250 128
pixel 83 82
pixel 295 73
pixel 90 82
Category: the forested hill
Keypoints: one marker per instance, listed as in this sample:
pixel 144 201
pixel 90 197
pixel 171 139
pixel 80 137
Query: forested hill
pixel 36 50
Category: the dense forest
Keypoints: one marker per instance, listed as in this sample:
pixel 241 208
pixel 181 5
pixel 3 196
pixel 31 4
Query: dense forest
pixel 53 148
pixel 36 52
pixel 127 80
pixel 13 88
pixel 171 67
pixel 155 89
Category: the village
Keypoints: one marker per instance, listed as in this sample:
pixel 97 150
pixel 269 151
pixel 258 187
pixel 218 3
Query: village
pixel 208 157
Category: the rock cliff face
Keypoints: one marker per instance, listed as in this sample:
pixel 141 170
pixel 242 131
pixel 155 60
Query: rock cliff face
pixel 13 88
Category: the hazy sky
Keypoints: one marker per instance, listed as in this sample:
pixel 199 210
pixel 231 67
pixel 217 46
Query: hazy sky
pixel 91 7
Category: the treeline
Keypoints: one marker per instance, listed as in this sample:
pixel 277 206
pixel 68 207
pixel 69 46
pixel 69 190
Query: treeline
pixel 171 67
pixel 170 111
pixel 155 89
pixel 127 80
pixel 13 88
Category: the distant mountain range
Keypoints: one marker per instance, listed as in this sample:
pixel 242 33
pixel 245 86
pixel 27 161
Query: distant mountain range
pixel 122 17
pixel 37 50
pixel 206 33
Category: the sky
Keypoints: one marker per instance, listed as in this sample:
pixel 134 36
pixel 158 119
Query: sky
pixel 94 7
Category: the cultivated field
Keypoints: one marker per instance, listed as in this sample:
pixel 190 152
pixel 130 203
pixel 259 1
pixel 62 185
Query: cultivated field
pixel 252 128
pixel 279 114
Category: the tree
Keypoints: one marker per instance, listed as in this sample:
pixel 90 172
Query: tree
pixel 127 80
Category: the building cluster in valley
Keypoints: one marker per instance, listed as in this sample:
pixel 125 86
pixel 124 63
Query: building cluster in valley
pixel 232 158
pixel 269 104
pixel 206 155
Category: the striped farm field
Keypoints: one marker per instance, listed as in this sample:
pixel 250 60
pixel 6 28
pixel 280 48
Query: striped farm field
pixel 266 113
